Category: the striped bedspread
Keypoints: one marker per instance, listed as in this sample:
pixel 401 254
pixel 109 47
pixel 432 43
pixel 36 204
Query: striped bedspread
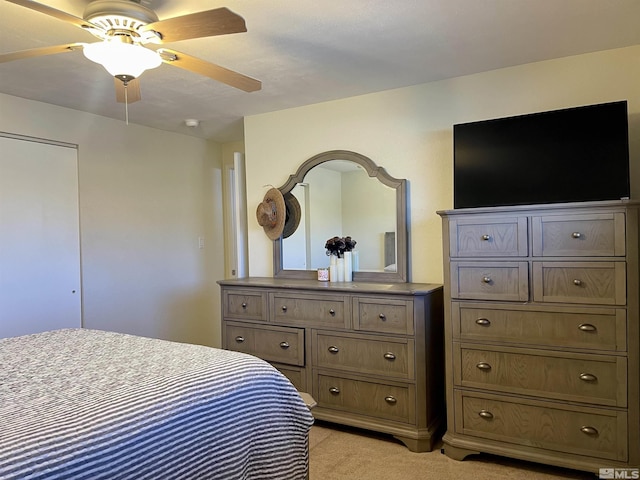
pixel 86 404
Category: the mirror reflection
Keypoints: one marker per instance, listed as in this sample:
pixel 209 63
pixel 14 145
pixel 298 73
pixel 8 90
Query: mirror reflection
pixel 339 198
pixel 340 193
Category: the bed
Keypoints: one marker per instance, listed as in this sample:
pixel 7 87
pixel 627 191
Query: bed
pixel 87 404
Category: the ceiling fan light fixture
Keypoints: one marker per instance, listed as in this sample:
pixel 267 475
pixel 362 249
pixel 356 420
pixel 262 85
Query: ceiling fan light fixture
pixel 120 59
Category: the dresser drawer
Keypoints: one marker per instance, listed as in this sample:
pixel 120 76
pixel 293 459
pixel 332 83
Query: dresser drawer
pixel 589 235
pixel 599 379
pixel 388 401
pixel 594 432
pixel 312 310
pixel 490 281
pixel 296 375
pixel 488 237
pixel 366 355
pixel 590 328
pixel 274 344
pixel 383 315
pixel 245 304
pixel 580 282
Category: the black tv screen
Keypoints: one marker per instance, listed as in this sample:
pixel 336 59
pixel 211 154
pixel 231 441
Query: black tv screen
pixel 571 155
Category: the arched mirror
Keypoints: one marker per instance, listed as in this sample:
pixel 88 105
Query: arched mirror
pixel 342 193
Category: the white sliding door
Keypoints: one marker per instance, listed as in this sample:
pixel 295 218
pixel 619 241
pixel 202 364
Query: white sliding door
pixel 39 237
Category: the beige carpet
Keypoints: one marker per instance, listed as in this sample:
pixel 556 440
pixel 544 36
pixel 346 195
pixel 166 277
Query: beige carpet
pixel 338 453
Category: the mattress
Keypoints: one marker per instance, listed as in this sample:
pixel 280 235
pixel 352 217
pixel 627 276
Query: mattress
pixel 87 404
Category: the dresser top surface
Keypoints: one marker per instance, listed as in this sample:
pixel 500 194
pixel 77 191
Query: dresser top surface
pixel 342 287
pixel 574 207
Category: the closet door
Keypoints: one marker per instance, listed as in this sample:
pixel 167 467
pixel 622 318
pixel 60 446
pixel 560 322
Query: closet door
pixel 39 237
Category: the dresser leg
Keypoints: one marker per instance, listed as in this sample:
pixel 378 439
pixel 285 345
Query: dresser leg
pixel 457 453
pixel 424 445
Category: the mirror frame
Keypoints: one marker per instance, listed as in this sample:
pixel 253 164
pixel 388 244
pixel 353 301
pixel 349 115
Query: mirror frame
pixel 402 233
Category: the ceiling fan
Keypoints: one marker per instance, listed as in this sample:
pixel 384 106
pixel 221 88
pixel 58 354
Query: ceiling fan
pixel 129 34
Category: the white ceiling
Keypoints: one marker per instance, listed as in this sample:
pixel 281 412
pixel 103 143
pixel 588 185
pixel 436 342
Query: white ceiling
pixel 309 51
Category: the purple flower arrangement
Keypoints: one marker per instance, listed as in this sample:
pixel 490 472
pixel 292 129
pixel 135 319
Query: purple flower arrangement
pixel 338 245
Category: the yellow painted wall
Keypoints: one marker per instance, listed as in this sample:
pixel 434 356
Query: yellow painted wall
pixel 409 132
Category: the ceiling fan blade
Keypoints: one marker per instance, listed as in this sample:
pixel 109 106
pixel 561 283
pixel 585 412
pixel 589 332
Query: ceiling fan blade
pixel 128 93
pixel 60 15
pixel 39 52
pixel 209 23
pixel 216 72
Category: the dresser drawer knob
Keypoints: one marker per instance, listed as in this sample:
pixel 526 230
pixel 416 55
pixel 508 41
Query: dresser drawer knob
pixel 334 391
pixel 587 327
pixel 284 345
pixel 240 339
pixel 389 356
pixel 576 235
pixel 588 377
pixel 483 366
pixel 485 322
pixel 577 282
pixel 382 317
pixel 284 308
pixel 485 414
pixel 589 430
pixel 486 238
pixel 332 312
pixel 486 279
pixel 391 400
pixel 333 349
pixel 244 305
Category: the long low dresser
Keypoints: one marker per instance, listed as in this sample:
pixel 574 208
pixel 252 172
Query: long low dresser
pixel 542 333
pixel 370 354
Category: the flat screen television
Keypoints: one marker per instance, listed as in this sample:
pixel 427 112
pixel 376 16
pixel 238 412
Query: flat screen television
pixel 572 155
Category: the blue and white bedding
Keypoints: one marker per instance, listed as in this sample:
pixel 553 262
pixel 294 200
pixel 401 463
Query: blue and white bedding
pixel 86 404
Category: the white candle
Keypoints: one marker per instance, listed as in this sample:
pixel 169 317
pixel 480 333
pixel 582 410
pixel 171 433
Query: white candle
pixel 347 267
pixel 340 269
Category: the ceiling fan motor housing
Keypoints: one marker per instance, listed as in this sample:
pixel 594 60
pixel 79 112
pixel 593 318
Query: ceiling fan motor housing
pixel 118 15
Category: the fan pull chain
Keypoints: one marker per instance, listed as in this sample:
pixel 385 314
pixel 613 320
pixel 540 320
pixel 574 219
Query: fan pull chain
pixel 126 104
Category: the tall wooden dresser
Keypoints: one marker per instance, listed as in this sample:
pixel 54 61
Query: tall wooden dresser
pixel 370 354
pixel 542 333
